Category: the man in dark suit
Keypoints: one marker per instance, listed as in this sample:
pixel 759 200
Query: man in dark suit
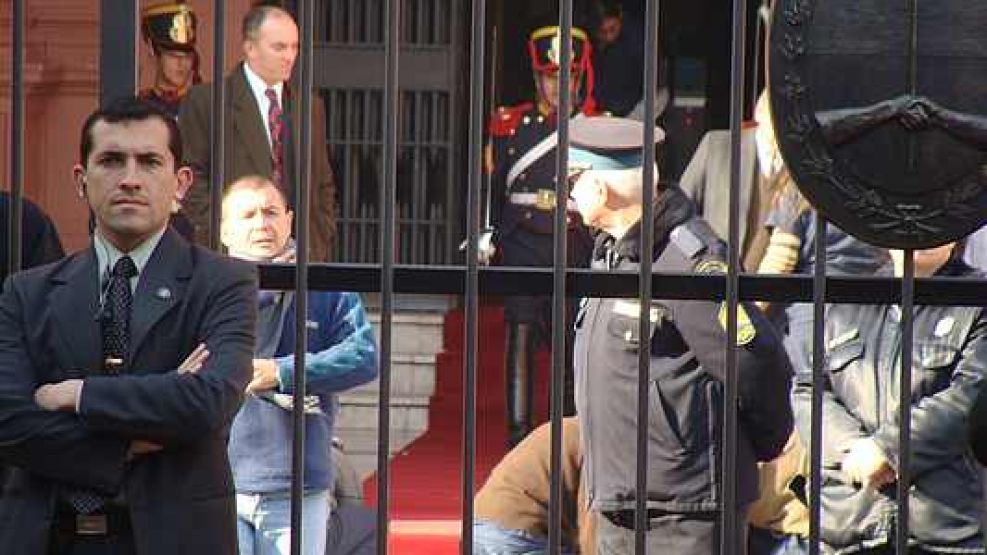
pixel 259 130
pixel 39 238
pixel 706 181
pixel 122 448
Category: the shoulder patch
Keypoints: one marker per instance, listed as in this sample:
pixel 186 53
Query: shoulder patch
pixel 711 266
pixel 687 241
pixel 745 328
pixel 507 119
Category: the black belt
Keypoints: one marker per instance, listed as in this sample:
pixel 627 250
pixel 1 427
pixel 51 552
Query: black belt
pixel 625 518
pixel 111 521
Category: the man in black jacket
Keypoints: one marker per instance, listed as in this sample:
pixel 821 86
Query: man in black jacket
pixel 860 452
pixel 40 243
pixel 687 363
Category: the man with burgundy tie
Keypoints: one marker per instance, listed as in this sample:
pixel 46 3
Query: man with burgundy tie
pixel 262 115
pixel 122 366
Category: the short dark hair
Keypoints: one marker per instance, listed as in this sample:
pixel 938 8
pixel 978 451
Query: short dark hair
pixel 256 16
pixel 127 109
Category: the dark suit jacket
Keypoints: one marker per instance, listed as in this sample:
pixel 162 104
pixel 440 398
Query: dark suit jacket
pixel 181 498
pixel 39 238
pixel 248 152
pixel 706 180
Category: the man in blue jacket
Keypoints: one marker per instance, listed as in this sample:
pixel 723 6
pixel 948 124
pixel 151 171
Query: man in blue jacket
pixel 342 354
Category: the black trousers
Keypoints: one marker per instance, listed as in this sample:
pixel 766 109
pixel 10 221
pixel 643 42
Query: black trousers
pixel 671 533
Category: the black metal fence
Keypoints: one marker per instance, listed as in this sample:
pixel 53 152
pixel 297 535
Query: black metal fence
pixel 403 178
pixel 350 52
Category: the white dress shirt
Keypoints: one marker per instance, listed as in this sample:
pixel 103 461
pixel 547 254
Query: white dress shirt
pixel 259 88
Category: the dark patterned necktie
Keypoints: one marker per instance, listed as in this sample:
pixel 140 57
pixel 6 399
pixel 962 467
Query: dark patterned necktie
pixel 115 327
pixel 115 323
pixel 275 125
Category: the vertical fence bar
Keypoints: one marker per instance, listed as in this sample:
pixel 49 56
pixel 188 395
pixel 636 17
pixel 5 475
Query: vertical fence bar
pixel 729 481
pixel 303 174
pixel 905 401
pixel 416 147
pixel 217 144
pixel 652 18
pixel 118 48
pixel 559 300
pixel 15 206
pixel 472 314
pixel 818 383
pixel 392 41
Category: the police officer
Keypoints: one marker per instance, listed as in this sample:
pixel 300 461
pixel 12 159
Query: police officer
pixel 520 160
pixel 860 453
pixel 169 29
pixel 687 363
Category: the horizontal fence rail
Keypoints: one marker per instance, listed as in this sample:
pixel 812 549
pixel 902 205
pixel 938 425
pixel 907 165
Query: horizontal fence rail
pixel 449 280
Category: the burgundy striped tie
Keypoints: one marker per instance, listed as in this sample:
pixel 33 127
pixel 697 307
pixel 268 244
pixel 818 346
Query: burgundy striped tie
pixel 275 125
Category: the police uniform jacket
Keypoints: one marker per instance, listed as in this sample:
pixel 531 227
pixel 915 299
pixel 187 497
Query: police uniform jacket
pixel 687 370
pixel 860 399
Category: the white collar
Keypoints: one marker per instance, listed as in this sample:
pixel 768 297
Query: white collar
pixel 107 255
pixel 259 87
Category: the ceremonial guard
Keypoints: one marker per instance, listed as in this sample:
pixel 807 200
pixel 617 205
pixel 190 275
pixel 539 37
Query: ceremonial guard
pixel 169 29
pixel 520 160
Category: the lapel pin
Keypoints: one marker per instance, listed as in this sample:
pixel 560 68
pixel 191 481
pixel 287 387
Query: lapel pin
pixel 163 293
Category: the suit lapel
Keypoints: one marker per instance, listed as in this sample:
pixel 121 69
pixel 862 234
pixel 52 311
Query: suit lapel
pixel 75 310
pixel 161 287
pixel 292 126
pixel 748 180
pixel 248 123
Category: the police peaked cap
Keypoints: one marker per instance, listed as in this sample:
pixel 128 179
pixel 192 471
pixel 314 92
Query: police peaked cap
pixel 607 143
pixel 170 26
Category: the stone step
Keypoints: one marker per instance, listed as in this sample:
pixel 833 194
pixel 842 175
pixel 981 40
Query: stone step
pixel 416 338
pixel 406 414
pixel 356 426
pixel 361 448
pixel 413 333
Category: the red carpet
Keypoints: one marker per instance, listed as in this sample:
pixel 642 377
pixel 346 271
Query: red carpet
pixel 426 477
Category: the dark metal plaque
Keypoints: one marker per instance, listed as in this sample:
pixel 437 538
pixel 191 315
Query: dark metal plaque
pixel 880 110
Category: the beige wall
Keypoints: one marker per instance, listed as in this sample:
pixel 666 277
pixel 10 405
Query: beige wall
pixel 62 87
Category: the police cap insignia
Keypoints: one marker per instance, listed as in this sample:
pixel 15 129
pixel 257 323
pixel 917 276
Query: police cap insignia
pixel 745 328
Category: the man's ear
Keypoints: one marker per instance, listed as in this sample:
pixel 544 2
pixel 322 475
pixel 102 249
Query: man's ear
pixel 79 177
pixel 246 47
pixel 185 180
